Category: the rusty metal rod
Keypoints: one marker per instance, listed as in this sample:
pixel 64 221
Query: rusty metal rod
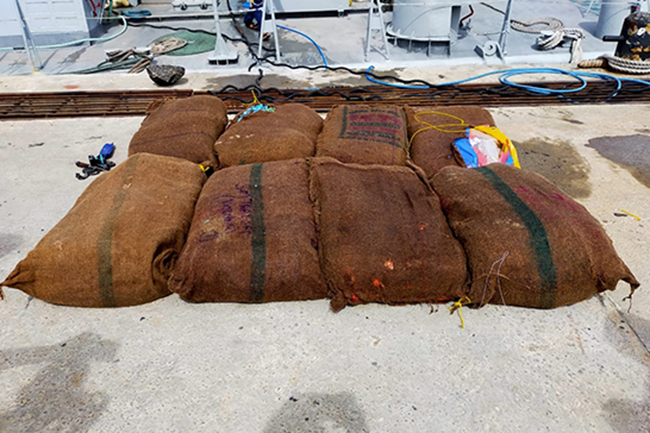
pixel 135 102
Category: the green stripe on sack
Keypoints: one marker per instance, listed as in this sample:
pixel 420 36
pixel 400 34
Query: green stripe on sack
pixel 105 243
pixel 258 262
pixel 344 126
pixel 538 237
pixel 405 132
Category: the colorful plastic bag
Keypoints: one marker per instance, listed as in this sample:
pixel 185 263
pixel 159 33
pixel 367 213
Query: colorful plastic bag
pixel 484 145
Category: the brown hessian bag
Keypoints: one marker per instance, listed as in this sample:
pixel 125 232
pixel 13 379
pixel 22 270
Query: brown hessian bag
pixel 383 236
pixel 253 238
pixel 119 242
pixel 183 128
pixel 363 134
pixel 288 132
pixel 527 242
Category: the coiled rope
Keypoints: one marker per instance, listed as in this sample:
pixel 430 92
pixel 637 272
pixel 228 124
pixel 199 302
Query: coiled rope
pixel 551 31
pixel 548 40
pixel 618 64
pixel 530 26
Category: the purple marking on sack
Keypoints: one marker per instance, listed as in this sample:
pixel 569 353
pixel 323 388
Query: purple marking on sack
pixel 547 206
pixel 229 214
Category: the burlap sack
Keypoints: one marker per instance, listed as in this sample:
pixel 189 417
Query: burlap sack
pixel 289 116
pixel 184 128
pixel 287 133
pixel 527 242
pixel 383 237
pixel 253 238
pixel 432 149
pixel 362 134
pixel 119 242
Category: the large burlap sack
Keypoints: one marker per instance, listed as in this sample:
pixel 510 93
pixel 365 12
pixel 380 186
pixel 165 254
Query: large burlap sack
pixel 183 128
pixel 383 237
pixel 288 132
pixel 527 242
pixel 362 134
pixel 431 148
pixel 253 238
pixel 119 242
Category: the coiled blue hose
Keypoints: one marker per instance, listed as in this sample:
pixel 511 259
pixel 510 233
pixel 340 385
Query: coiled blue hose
pixel 505 76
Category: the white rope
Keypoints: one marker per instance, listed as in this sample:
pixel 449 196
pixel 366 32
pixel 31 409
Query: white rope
pixel 618 64
pixel 549 40
pixel 167 45
pixel 529 26
pixel 552 34
pixel 627 66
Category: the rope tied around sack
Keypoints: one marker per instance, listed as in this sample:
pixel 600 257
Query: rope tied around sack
pixel 255 106
pixel 442 127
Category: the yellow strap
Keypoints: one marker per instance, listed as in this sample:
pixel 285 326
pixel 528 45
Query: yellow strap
pixel 458 305
pixel 631 214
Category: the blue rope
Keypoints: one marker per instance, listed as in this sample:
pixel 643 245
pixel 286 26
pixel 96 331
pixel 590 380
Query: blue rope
pixel 310 40
pixel 255 109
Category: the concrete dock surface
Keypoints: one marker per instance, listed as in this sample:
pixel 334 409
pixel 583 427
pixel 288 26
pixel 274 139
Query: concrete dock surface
pixel 170 366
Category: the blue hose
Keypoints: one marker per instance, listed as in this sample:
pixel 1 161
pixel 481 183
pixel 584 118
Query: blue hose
pixel 310 40
pixel 125 26
pixel 505 76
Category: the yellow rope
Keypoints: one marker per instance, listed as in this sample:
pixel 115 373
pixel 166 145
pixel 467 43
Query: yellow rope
pixel 429 126
pixel 255 100
pixel 458 305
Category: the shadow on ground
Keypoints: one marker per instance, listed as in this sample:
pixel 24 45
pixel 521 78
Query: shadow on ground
pixel 628 415
pixel 55 399
pixel 9 242
pixel 315 412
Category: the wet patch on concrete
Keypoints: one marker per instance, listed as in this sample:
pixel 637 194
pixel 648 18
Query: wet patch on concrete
pixel 317 412
pixel 9 242
pixel 351 81
pixel 270 80
pixel 71 58
pixel 344 79
pixel 559 162
pixel 218 83
pixel 299 51
pixel 631 152
pixel 56 399
pixel 628 415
